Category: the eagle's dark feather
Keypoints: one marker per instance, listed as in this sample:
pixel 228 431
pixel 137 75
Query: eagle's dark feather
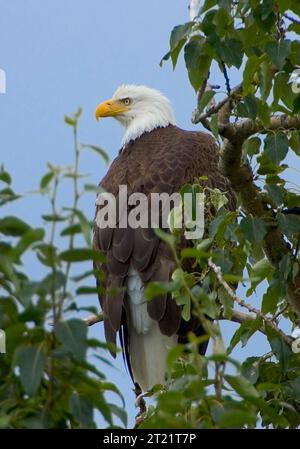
pixel 162 160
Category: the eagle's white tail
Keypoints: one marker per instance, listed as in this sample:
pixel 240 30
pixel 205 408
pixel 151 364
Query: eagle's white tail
pixel 148 347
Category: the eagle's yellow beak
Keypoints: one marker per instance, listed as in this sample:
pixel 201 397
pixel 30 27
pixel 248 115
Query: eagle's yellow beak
pixel 110 108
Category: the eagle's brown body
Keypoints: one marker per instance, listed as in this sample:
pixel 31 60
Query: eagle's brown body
pixel 162 160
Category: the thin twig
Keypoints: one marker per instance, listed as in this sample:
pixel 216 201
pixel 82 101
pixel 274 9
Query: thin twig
pixel 242 303
pixel 227 81
pixel 280 312
pixel 218 106
pixel 93 319
pixel 72 218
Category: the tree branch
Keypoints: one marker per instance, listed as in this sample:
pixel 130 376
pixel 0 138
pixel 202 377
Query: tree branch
pixel 236 317
pixel 93 319
pixel 199 118
pixel 241 177
pixel 242 303
pixel 246 128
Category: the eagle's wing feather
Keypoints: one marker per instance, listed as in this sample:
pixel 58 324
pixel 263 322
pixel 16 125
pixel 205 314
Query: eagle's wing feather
pixel 162 160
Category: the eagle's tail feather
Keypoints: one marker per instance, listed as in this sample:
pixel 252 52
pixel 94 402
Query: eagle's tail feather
pixel 148 347
pixel 148 353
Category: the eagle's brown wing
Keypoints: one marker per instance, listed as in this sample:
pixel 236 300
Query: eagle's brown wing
pixel 162 160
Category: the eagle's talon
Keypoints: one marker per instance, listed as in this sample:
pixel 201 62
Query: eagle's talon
pixel 141 403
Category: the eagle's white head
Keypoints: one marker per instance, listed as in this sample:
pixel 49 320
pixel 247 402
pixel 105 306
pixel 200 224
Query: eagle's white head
pixel 139 109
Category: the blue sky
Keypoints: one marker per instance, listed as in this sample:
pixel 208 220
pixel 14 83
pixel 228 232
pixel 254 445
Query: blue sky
pixel 59 55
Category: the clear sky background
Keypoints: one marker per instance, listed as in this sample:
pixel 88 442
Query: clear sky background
pixel 61 54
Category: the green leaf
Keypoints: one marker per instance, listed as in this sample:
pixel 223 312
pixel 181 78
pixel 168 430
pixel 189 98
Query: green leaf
pixel 280 348
pixel 253 228
pixel 73 336
pixel 54 217
pixel 81 254
pixel 5 176
pixel 276 194
pixel 7 195
pixel 165 236
pixel 247 391
pixel 276 147
pixel 283 91
pixel 244 333
pixel 47 254
pixel 226 301
pixel 53 281
pixel 262 269
pixel 270 301
pixel 251 146
pixel 248 108
pixel 263 113
pixel 196 61
pixel 266 78
pixel 278 51
pixel 294 389
pixel 72 121
pixel 205 99
pixel 178 38
pixel 186 310
pixel 252 65
pixel 214 125
pixel 13 226
pixel 164 58
pixel 250 369
pixel 82 411
pixel 295 141
pixel 178 33
pixel 46 179
pixel 154 289
pixel 289 224
pixel 86 290
pixel 119 412
pixel 85 225
pixel 231 52
pixel 29 237
pixel 242 386
pixel 82 276
pixel 102 153
pixel 174 354
pixel 264 15
pixel 31 361
pixel 109 386
pixel 71 230
pixel 234 418
pixel 284 5
pixel 296 105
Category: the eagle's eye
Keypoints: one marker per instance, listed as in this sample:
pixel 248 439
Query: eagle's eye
pixel 126 101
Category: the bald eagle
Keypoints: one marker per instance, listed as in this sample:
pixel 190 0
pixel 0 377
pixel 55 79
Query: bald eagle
pixel 155 156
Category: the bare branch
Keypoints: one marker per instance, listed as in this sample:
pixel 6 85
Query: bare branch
pixel 199 118
pixel 246 128
pixel 242 303
pixel 93 319
pixel 240 317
